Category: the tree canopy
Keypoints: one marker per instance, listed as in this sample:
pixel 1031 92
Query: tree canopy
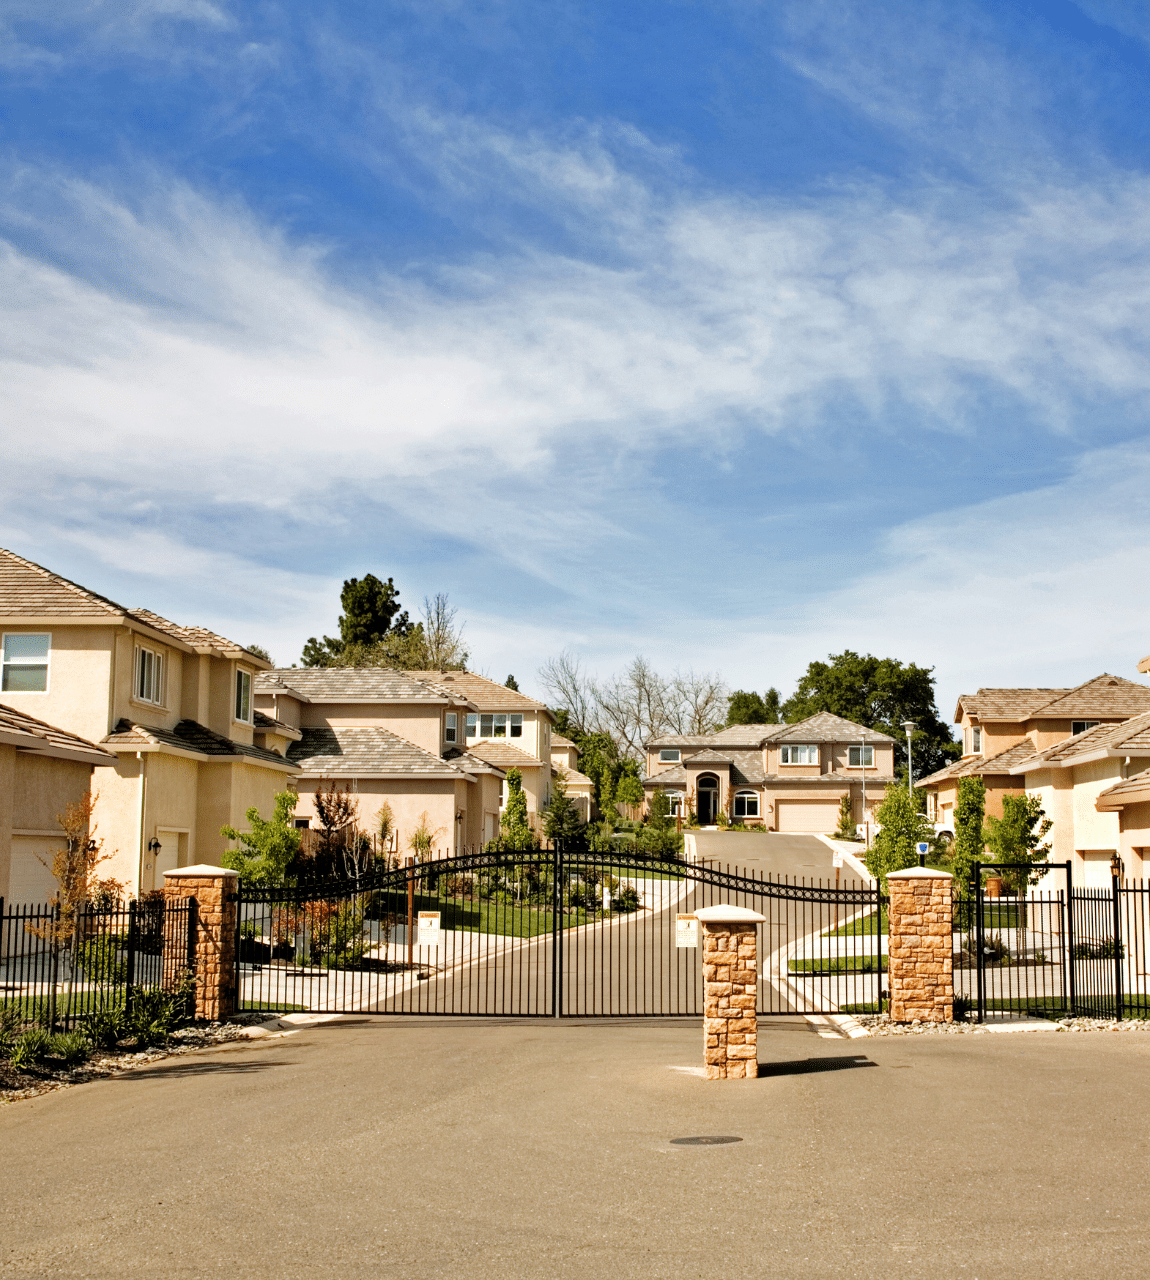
pixel 270 846
pixel 902 827
pixel 879 693
pixel 752 708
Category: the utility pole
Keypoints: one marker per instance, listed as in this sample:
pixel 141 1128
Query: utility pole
pixel 909 726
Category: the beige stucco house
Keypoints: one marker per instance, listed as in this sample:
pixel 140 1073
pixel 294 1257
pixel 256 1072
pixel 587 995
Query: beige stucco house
pixel 43 770
pixel 174 704
pixel 1003 728
pixel 789 777
pixel 565 760
pixel 387 737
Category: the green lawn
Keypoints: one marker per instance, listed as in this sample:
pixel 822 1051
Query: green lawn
pixel 863 927
pixel 839 964
pixel 481 915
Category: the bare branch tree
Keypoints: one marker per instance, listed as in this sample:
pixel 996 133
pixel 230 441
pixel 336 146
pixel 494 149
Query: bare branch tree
pixel 445 651
pixel 567 685
pixel 698 703
pixel 633 706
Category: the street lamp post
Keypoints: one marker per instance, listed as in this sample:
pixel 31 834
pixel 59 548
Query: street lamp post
pixel 909 726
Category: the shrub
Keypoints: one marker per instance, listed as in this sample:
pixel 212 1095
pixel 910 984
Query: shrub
pixel 72 1046
pixel 155 1015
pixel 106 1028
pixel 626 898
pixel 30 1048
pixel 100 959
pixel 962 1008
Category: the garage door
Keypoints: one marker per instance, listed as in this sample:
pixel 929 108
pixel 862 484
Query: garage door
pixel 808 815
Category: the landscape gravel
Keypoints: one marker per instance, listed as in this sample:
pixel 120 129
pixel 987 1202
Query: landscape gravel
pixel 881 1025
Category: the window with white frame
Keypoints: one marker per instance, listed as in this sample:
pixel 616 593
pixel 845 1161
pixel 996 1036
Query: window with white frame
pixel 861 757
pixel 746 804
pixel 244 696
pixel 669 755
pixel 495 725
pixel 148 684
pixel 450 725
pixel 976 742
pixel 26 663
pixel 1080 726
pixel 794 754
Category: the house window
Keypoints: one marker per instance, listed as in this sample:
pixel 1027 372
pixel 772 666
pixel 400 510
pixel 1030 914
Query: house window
pixel 149 682
pixel 472 726
pixel 669 756
pixel 861 757
pixel 746 804
pixel 451 720
pixel 244 696
pixel 26 663
pixel 976 741
pixel 497 725
pixel 1080 726
pixel 798 755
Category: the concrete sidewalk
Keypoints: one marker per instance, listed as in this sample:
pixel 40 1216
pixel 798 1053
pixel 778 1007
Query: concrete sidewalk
pixel 439 1147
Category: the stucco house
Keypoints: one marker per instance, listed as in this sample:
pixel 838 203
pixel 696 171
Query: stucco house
pixel 388 737
pixel 565 760
pixel 172 703
pixel 1002 728
pixel 789 777
pixel 42 771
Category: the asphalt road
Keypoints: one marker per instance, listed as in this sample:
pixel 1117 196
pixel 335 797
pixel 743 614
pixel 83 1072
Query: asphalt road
pixel 770 853
pixel 426 1148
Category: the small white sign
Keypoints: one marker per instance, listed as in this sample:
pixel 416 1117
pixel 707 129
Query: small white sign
pixel 922 847
pixel 686 931
pixel 428 935
pixel 836 859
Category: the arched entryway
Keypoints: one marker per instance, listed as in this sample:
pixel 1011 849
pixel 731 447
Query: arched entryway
pixel 707 789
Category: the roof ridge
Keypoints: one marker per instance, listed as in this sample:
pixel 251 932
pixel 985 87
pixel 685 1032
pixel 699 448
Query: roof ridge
pixel 59 578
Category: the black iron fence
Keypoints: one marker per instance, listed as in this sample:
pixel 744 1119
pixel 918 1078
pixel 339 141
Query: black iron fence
pixel 548 933
pixel 1066 951
pixel 60 966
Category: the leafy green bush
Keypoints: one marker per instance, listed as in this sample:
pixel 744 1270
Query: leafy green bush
pixel 155 1015
pixel 72 1046
pixel 101 959
pixel 626 898
pixel 962 1008
pixel 30 1048
pixel 106 1028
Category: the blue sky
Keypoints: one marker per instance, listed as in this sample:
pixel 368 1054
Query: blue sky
pixel 733 333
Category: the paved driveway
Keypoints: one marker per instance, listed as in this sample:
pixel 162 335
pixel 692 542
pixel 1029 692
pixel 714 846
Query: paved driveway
pixel 769 853
pixel 460 1149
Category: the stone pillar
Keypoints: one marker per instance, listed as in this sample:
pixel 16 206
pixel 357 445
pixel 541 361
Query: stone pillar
pixel 730 987
pixel 214 889
pixel 921 957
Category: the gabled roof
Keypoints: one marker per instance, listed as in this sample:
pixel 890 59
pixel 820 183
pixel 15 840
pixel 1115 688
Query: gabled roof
pixel 352 684
pixel 968 766
pixel 34 737
pixel 504 755
pixel 1103 697
pixel 269 724
pixel 1127 738
pixel 487 695
pixel 707 756
pixel 746 735
pixel 676 776
pixel 364 751
pixel 823 726
pixel 558 740
pixel 189 737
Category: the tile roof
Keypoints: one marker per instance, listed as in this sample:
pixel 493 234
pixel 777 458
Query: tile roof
pixel 1132 790
pixel 188 735
pixel 361 750
pixel 746 735
pixel 197 637
pixel 1003 762
pixel 472 763
pixel 504 756
pixel 676 776
pixel 708 756
pixel 1103 696
pixel 579 779
pixel 488 695
pixel 681 740
pixel 30 589
pixel 350 684
pixel 269 724
pixel 823 726
pixel 35 737
pixel 558 740
pixel 1129 737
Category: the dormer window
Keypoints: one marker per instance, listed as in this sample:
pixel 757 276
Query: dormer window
pixel 148 685
pixel 244 696
pixel 976 742
pixel 798 754
pixel 1081 726
pixel 669 755
pixel 450 726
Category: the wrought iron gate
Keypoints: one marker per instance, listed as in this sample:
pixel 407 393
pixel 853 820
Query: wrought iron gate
pixel 549 934
pixel 1061 952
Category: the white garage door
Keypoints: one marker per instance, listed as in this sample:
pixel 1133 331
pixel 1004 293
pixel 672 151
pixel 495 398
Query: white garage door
pixel 808 815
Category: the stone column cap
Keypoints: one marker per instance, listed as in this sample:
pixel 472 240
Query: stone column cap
pixel 920 873
pixel 201 869
pixel 722 914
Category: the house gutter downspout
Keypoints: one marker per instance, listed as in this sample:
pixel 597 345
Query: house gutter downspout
pixel 140 843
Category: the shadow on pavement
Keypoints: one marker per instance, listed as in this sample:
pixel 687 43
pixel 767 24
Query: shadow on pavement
pixel 804 1066
pixel 180 1069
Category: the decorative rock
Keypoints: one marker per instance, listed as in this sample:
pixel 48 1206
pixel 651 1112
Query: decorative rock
pixel 730 988
pixel 921 963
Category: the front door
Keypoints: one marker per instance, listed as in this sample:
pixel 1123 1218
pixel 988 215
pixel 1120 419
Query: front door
pixel 167 856
pixel 708 803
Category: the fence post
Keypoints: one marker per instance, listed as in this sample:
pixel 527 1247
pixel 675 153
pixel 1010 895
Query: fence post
pixel 730 991
pixel 1118 950
pixel 921 948
pixel 133 943
pixel 213 926
pixel 1070 946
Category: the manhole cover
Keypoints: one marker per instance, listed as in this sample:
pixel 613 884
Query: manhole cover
pixel 706 1141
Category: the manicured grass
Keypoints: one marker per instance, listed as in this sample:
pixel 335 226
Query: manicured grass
pixel 839 964
pixel 482 915
pixel 864 927
pixel 270 1006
